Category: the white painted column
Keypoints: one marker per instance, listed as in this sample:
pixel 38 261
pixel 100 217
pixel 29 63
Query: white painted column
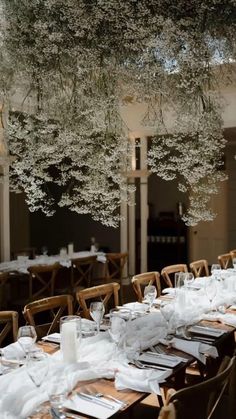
pixel 132 246
pixel 124 232
pixel 143 203
pixel 4 214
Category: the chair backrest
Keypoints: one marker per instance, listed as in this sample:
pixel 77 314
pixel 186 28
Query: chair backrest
pixel 168 272
pixel 49 309
pixel 199 268
pixel 225 261
pixel 141 280
pixel 8 323
pixel 82 271
pixel 201 400
pixel 233 254
pixel 42 280
pixel 115 263
pixel 103 292
pixel 167 412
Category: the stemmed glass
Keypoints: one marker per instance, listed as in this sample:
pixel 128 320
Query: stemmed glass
pixel 150 293
pixel 210 290
pixel 167 310
pixel 26 337
pixel 37 370
pixel 97 311
pixel 216 271
pixel 117 329
pixel 234 263
pixel 188 279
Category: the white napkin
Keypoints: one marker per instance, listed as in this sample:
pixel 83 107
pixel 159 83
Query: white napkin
pixel 228 318
pixel 197 349
pixel 146 381
pixel 13 351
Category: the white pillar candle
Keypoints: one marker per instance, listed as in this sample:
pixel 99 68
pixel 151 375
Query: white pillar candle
pixel 70 249
pixel 69 341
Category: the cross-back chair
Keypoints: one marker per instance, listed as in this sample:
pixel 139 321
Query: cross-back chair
pixel 42 280
pixel 8 324
pixel 114 269
pixel 233 254
pixel 167 412
pixel 103 292
pixel 201 401
pixel 199 268
pixel 168 272
pixel 225 260
pixel 82 271
pixel 45 314
pixel 147 278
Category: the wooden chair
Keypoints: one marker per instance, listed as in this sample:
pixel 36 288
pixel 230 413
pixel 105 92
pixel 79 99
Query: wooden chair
pixel 104 292
pixel 202 400
pixel 42 280
pixel 168 272
pixel 50 309
pixel 8 323
pixel 225 261
pixel 82 271
pixel 114 268
pixel 199 268
pixel 141 280
pixel 167 412
pixel 233 254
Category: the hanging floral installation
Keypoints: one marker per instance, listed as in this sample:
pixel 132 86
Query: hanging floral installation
pixel 76 61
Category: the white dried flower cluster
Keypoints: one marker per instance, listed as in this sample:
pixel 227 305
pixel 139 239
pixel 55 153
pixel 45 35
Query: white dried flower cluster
pixel 76 60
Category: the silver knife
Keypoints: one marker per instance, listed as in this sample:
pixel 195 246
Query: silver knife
pixel 95 400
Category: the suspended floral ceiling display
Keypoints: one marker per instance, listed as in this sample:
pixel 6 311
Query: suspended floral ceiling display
pixel 78 61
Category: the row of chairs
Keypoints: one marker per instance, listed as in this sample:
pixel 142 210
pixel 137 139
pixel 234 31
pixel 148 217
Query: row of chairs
pixel 43 278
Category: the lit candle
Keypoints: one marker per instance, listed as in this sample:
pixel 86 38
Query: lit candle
pixel 69 341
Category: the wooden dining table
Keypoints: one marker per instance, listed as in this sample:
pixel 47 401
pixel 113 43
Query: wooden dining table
pixel 225 345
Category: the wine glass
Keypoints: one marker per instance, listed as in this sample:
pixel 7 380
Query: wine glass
pixel 26 337
pixel 210 290
pixel 234 263
pixel 117 328
pixel 44 250
pixel 150 293
pixel 216 271
pixel 97 311
pixel 167 310
pixel 188 279
pixel 37 370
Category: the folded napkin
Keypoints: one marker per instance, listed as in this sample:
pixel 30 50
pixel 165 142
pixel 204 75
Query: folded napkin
pixel 13 351
pixel 138 307
pixel 197 349
pixel 228 318
pixel 146 381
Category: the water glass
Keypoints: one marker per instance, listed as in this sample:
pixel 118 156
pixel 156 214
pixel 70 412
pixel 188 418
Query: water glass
pixel 216 271
pixel 26 337
pixel 234 263
pixel 188 279
pixel 58 393
pixel 117 329
pixel 97 311
pixel 210 290
pixel 150 293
